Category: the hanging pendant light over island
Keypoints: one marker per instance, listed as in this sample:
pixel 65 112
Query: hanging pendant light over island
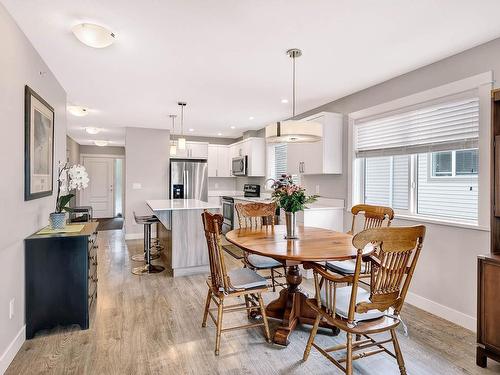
pixel 294 131
pixel 181 141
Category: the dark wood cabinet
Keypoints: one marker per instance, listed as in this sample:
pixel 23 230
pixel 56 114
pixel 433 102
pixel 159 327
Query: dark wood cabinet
pixel 61 279
pixel 488 267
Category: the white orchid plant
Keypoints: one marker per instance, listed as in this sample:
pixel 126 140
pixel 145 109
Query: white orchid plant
pixel 69 179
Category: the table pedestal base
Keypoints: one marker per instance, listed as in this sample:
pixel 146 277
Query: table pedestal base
pixel 291 308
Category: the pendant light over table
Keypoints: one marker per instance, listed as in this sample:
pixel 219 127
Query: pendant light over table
pixel 294 131
pixel 181 141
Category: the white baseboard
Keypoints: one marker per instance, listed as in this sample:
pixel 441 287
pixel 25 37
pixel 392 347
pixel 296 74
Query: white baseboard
pixel 11 351
pixel 442 311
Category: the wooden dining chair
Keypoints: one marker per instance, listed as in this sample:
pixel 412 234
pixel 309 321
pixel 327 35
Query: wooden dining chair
pixel 257 215
pixel 363 312
pixel 223 284
pixel 374 217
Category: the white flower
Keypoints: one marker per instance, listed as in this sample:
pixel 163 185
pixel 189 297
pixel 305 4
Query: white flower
pixel 78 177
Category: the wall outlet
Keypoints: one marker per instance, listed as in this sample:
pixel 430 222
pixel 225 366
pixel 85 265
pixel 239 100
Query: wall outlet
pixel 136 186
pixel 11 308
pixel 317 190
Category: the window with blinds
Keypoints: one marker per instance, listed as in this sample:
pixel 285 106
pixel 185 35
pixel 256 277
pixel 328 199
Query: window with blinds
pixel 277 163
pixel 422 161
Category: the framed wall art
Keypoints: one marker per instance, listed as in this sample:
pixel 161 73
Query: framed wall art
pixel 38 146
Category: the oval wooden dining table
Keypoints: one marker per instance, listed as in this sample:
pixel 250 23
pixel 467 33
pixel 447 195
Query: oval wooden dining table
pixel 313 244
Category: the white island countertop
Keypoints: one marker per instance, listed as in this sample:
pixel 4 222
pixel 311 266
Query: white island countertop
pixel 180 204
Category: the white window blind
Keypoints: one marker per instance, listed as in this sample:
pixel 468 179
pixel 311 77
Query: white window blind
pixel 450 125
pixel 280 160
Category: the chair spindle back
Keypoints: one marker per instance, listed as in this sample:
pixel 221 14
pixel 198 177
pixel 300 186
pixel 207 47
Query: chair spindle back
pixel 255 215
pixel 375 216
pixel 212 224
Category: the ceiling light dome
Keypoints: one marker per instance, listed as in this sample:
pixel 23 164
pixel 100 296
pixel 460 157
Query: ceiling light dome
pixel 101 143
pixel 93 35
pixel 294 131
pixel 92 130
pixel 78 110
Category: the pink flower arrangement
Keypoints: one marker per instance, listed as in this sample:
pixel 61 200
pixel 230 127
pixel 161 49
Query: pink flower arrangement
pixel 290 196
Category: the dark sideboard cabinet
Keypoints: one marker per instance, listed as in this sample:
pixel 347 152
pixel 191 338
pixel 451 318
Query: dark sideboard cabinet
pixel 488 266
pixel 61 279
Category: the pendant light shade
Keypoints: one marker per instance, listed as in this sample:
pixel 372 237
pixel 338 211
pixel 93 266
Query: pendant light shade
pixel 181 141
pixel 294 131
pixel 173 146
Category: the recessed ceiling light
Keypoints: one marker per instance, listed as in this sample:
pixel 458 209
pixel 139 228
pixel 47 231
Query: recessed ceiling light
pixel 101 143
pixel 191 130
pixel 233 127
pixel 251 118
pixel 78 110
pixel 284 101
pixel 93 35
pixel 92 130
pixel 219 134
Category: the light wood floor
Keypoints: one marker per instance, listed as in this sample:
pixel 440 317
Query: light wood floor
pixel 152 325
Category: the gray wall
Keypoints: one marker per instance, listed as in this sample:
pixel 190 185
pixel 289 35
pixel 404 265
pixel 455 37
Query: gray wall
pixel 445 279
pixel 102 150
pixel 147 163
pixel 212 140
pixel 20 65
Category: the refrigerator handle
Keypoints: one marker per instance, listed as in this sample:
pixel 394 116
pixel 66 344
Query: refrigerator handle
pixel 188 192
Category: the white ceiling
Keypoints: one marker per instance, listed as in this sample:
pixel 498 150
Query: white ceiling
pixel 227 58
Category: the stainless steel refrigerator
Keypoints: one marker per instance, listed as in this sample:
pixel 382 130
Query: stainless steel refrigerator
pixel 189 179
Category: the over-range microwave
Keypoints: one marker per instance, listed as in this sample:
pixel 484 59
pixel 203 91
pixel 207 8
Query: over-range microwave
pixel 239 166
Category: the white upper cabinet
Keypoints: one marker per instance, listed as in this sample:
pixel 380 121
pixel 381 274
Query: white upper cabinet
pixel 255 149
pixel 219 161
pixel 220 157
pixel 322 157
pixel 194 150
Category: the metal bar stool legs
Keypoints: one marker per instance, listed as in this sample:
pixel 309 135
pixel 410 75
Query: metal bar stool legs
pixel 148 267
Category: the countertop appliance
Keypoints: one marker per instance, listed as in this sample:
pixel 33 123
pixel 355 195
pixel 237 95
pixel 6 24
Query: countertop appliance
pixel 189 179
pixel 251 191
pixel 239 166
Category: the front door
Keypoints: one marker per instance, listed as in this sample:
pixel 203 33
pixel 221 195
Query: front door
pixel 99 193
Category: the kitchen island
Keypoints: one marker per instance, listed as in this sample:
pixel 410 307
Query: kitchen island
pixel 182 235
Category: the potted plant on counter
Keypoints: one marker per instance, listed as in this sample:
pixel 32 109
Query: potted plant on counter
pixel 68 180
pixel 291 198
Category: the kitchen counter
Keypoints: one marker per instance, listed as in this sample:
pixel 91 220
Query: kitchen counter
pixel 182 235
pixel 180 204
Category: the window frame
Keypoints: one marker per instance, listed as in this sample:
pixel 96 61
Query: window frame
pixel 481 84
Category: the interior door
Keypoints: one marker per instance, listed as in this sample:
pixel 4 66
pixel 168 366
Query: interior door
pixel 99 193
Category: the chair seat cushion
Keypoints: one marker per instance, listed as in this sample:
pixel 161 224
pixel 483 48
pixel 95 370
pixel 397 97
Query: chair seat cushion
pixel 260 261
pixel 345 267
pixel 245 278
pixel 343 299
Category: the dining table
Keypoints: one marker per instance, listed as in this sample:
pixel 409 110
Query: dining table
pixel 312 245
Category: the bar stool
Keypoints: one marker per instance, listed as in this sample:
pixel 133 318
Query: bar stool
pixel 148 268
pixel 154 244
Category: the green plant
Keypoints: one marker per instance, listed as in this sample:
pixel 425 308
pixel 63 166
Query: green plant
pixel 290 196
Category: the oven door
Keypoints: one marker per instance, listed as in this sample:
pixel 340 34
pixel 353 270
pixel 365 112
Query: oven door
pixel 228 215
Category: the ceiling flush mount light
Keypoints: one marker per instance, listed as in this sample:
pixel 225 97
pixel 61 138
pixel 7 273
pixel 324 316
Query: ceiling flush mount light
pixel 233 127
pixel 92 130
pixel 77 110
pixel 93 35
pixel 101 143
pixel 173 146
pixel 191 129
pixel 284 101
pixel 181 141
pixel 293 131
pixel 251 118
pixel 219 134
